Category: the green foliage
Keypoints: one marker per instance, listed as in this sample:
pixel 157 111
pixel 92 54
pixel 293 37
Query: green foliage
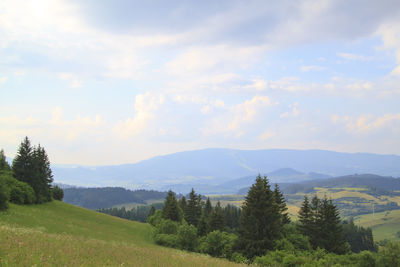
pixel 320 222
pixel 167 227
pixel 32 165
pixel 261 223
pixel 4 196
pixel 192 211
pixel 280 201
pixel 187 237
pixel 18 192
pixel 57 193
pixel 3 162
pixel 171 209
pixel 156 218
pixel 359 238
pixel 389 255
pixel 167 240
pixel 218 244
pixel 216 219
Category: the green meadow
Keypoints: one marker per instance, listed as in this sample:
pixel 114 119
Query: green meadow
pixel 384 225
pixel 59 234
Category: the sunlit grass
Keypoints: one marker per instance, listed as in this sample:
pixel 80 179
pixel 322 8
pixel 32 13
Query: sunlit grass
pixel 58 234
pixel 384 225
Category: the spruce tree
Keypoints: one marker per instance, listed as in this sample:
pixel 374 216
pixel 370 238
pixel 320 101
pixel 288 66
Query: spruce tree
pixel 280 200
pixel 260 221
pixel 43 176
pixel 22 165
pixel 151 211
pixel 3 162
pixel 216 221
pixel 306 218
pixel 207 208
pixel 183 203
pixel 193 208
pixel 171 209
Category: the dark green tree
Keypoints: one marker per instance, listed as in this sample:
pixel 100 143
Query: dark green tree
pixel 22 165
pixel 57 193
pixel 183 203
pixel 193 208
pixel 331 235
pixel 216 221
pixel 151 211
pixel 3 162
pixel 4 196
pixel 171 209
pixel 260 221
pixel 306 218
pixel 280 200
pixel 42 177
pixel 207 208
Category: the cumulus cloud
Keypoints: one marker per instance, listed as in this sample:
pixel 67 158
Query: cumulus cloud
pixel 367 124
pixel 312 68
pixel 146 106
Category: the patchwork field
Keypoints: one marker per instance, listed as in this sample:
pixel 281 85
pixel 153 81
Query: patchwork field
pixel 59 234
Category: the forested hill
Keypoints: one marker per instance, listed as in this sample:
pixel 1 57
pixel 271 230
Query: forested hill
pixel 215 166
pixel 371 181
pixel 96 198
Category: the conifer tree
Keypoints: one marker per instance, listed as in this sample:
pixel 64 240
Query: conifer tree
pixel 202 227
pixel 207 208
pixel 193 208
pixel 151 211
pixel 43 176
pixel 171 209
pixel 280 200
pixel 22 165
pixel 305 218
pixel 3 162
pixel 260 221
pixel 183 203
pixel 216 221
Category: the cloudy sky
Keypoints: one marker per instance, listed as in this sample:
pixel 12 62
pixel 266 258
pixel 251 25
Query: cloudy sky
pixel 111 82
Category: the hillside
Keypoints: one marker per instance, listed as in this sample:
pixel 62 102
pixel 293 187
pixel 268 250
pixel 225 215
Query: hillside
pixel 210 167
pixel 59 234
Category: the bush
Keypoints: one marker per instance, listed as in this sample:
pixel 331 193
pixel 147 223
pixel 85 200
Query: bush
pixel 389 255
pixel 218 244
pixel 167 227
pixel 239 258
pixel 57 193
pixel 156 218
pixel 4 196
pixel 167 240
pixel 187 237
pixel 19 192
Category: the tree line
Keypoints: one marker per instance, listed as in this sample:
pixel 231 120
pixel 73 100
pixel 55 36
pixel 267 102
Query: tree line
pixel 29 179
pixel 261 231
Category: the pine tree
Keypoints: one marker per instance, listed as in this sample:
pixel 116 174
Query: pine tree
pixel 22 165
pixel 331 235
pixel 193 208
pixel 43 176
pixel 171 209
pixel 280 200
pixel 183 203
pixel 202 227
pixel 305 218
pixel 3 162
pixel 260 221
pixel 151 211
pixel 216 221
pixel 207 208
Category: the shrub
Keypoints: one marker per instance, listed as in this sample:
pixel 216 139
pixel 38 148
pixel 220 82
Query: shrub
pixel 167 240
pixel 239 258
pixel 156 218
pixel 219 244
pixel 389 255
pixel 167 227
pixel 19 192
pixel 4 196
pixel 187 237
pixel 57 193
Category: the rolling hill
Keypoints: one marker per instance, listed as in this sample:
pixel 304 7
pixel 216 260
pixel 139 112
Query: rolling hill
pixel 211 167
pixel 59 234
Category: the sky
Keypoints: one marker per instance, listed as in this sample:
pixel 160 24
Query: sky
pixel 113 82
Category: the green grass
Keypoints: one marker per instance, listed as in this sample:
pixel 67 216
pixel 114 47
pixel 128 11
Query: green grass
pixel 59 234
pixel 384 225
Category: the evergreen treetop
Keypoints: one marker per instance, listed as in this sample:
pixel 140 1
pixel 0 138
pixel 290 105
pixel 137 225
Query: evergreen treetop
pixel 3 162
pixel 171 209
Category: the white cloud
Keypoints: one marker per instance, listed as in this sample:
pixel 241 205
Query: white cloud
pixel 312 68
pixel 3 79
pixel 146 106
pixel 294 111
pixel 367 124
pixel 350 56
pixel 75 82
pixel 267 135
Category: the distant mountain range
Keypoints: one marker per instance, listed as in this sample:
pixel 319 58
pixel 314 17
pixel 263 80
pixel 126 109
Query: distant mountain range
pixel 213 170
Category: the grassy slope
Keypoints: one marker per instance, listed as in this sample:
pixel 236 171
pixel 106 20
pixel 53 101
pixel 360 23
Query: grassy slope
pixel 384 225
pixel 64 235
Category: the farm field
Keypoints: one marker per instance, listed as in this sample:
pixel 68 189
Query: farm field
pixel 59 234
pixel 384 225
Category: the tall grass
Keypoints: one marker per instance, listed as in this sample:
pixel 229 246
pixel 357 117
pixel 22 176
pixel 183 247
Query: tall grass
pixel 58 234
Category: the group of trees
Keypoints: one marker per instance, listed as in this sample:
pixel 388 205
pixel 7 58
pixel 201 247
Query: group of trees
pixel 261 231
pixel 28 180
